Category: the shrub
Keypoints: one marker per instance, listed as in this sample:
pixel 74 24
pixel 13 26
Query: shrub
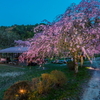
pixel 34 96
pixel 54 79
pixel 45 84
pixel 26 90
pixel 18 91
pixel 58 78
pixel 34 83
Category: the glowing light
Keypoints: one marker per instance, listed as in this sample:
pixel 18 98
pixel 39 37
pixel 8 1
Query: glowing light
pixel 22 91
pixel 17 95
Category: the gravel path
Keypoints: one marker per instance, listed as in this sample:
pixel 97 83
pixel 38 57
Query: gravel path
pixel 92 92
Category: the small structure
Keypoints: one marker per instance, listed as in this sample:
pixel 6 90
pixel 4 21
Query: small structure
pixel 13 52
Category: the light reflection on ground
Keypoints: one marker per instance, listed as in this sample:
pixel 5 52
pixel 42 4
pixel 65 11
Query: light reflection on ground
pixel 91 68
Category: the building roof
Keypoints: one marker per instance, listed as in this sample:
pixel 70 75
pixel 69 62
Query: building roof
pixel 14 50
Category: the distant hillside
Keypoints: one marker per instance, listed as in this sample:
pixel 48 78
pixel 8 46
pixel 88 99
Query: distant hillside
pixel 15 32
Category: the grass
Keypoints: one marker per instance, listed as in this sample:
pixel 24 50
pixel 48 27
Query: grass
pixel 71 90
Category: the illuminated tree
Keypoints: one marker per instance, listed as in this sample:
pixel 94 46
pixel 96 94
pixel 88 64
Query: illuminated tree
pixel 75 32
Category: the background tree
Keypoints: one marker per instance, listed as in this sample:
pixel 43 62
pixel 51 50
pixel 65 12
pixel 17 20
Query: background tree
pixel 25 31
pixel 7 39
pixel 15 32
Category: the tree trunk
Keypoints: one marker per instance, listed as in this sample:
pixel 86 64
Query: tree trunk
pixel 75 60
pixel 82 61
pixel 73 65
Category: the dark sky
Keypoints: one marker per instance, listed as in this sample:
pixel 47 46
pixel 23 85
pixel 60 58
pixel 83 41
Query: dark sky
pixel 31 11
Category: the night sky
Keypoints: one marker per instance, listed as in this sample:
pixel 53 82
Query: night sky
pixel 30 12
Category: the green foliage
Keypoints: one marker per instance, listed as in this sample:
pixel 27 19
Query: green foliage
pixel 15 32
pixel 24 31
pixel 18 91
pixel 45 84
pixel 71 90
pixel 3 28
pixel 48 81
pixel 58 78
pixel 38 86
pixel 7 39
pixel 34 83
pixel 34 96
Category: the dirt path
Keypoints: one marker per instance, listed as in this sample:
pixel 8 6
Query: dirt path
pixel 92 92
